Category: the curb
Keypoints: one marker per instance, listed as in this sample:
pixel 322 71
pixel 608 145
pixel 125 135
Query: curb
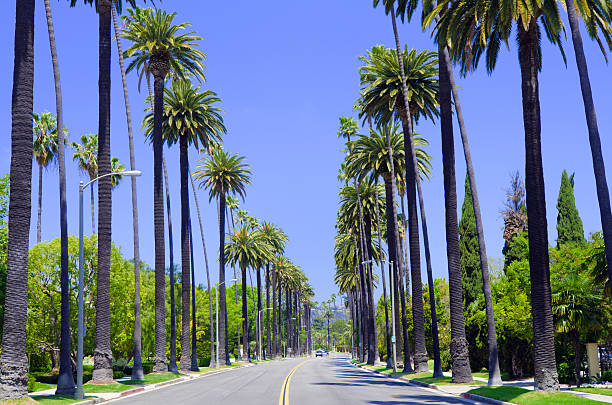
pixel 132 391
pixel 487 400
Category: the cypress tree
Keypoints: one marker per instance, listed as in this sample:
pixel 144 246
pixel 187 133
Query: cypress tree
pixel 468 244
pixel 569 224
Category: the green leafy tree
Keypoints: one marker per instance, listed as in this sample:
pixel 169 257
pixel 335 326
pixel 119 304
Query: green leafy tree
pixel 4 200
pixel 471 278
pixel 569 224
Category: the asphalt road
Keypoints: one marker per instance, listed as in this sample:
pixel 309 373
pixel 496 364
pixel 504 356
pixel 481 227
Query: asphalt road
pixel 319 381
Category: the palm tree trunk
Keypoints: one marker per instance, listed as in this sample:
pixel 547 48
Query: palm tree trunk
pixel 39 216
pixel 223 347
pixel 172 367
pixel 13 360
pixel 158 221
pixel 93 221
pixel 363 339
pixel 254 315
pixel 245 317
pixel 437 371
pixel 65 382
pixel 229 231
pixel 268 345
pixel 260 340
pixel 274 350
pixel 185 304
pixel 599 169
pixel 384 283
pixel 545 367
pixel 288 317
pixel 577 357
pixel 103 356
pixel 194 320
pixel 418 316
pixel 279 342
pixel 494 373
pixel 372 335
pixel 210 308
pixel 137 372
pixel 459 346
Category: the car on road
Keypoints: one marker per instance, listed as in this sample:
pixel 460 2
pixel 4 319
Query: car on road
pixel 319 353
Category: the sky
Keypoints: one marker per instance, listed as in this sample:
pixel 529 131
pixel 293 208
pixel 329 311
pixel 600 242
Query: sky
pixel 285 72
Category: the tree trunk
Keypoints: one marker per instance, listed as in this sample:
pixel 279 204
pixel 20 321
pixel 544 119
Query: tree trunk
pixel 93 221
pixel 384 284
pixel 223 347
pixel 158 220
pixel 437 371
pixel 494 373
pixel 599 169
pixel 280 315
pixel 245 317
pixel 40 188
pixel 268 346
pixel 210 308
pixel 137 372
pixel 372 335
pixel 103 356
pixel 274 319
pixel 185 363
pixel 459 346
pixel 13 360
pixel 418 316
pixel 229 231
pixel 259 309
pixel 577 357
pixel 194 320
pixel 172 367
pixel 65 382
pixel 545 367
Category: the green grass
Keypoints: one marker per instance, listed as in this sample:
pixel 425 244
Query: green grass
pixel 94 388
pixel 523 396
pixel 429 379
pixel 600 391
pixel 58 400
pixel 485 374
pixel 153 378
pixel 38 386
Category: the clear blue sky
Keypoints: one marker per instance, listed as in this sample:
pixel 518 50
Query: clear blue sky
pixel 286 72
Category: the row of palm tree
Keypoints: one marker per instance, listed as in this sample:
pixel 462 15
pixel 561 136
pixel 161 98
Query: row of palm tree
pixel 179 113
pixel 404 86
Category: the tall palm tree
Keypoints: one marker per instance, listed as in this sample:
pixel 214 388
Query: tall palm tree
pixel 86 155
pixel 13 360
pixel 222 174
pixel 137 371
pixel 497 22
pixel 45 151
pixel 383 96
pixel 156 51
pixel 247 248
pixel 189 117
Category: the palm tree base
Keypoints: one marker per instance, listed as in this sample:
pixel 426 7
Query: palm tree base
pixel 462 372
pixel 546 380
pixel 13 380
pixel 65 384
pixel 420 363
pixel 103 367
pixel 160 366
pixel 137 373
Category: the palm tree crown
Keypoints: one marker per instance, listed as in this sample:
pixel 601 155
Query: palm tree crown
pixel 45 138
pixel 247 248
pixel 223 173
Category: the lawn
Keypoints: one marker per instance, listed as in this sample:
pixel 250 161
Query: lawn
pixel 153 378
pixel 58 400
pixel 485 374
pixel 95 388
pixel 38 386
pixel 429 379
pixel 523 396
pixel 600 391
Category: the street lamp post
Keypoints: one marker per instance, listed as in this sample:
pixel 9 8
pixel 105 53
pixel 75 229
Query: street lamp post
pixel 217 317
pixel 81 329
pixel 259 339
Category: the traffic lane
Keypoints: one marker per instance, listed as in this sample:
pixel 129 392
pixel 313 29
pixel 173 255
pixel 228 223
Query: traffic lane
pixel 333 381
pixel 259 384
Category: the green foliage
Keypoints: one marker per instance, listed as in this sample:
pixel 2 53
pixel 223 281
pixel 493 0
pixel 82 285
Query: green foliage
pixel 4 201
pixel 524 396
pixel 471 276
pixel 569 224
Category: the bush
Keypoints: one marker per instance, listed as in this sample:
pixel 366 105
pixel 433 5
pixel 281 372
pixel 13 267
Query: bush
pixel 566 373
pixel 118 374
pixel 606 376
pixel 147 368
pixel 446 360
pixel 31 382
pixel 204 362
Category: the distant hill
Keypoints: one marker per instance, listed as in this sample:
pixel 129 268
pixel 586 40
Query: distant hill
pixel 340 313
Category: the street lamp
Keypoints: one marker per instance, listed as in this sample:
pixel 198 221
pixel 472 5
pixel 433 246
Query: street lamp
pixel 217 316
pixel 81 329
pixel 259 344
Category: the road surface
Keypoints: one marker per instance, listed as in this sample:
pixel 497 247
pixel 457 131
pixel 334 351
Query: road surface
pixel 318 381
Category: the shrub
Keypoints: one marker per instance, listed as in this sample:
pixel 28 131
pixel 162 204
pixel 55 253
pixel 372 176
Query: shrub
pixel 606 376
pixel 31 382
pixel 446 360
pixel 147 368
pixel 566 373
pixel 118 374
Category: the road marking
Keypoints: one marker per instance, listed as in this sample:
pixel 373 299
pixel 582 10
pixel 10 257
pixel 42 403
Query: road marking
pixel 284 395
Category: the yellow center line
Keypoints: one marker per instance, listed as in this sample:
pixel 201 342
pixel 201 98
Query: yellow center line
pixel 284 395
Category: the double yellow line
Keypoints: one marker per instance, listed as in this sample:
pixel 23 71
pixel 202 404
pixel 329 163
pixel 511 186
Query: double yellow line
pixel 284 395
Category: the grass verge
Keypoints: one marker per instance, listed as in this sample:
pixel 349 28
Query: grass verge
pixel 58 400
pixel 92 389
pixel 153 378
pixel 600 391
pixel 429 379
pixel 38 386
pixel 523 396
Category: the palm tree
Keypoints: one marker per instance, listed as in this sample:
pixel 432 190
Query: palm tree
pixel 577 309
pixel 383 96
pixel 189 117
pixel 247 248
pixel 13 360
pixel 86 155
pixel 65 385
pixel 157 51
pixel 137 371
pixel 497 21
pixel 223 173
pixel 45 151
